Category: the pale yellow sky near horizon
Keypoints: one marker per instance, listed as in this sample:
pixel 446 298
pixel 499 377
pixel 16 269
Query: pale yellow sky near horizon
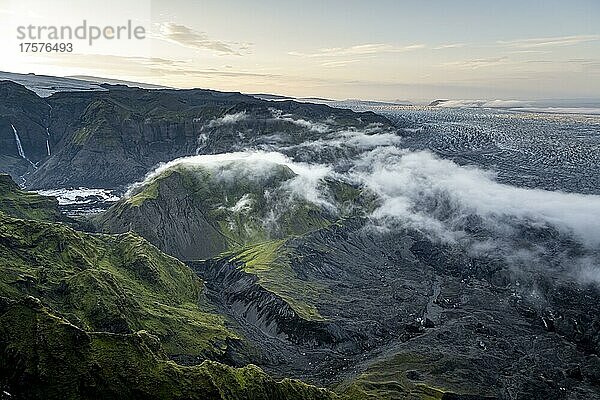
pixel 384 50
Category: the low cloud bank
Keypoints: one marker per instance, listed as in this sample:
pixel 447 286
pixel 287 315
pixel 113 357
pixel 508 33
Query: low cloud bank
pixel 319 127
pixel 257 164
pixel 228 119
pixel 434 193
pixel 418 190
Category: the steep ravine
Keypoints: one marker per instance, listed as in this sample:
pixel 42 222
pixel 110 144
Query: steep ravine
pixel 240 294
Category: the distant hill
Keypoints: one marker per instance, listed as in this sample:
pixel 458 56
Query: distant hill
pixel 110 81
pixel 437 102
pixel 44 85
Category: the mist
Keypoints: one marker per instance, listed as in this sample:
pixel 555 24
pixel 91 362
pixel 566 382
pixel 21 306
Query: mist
pixel 415 185
pixel 414 190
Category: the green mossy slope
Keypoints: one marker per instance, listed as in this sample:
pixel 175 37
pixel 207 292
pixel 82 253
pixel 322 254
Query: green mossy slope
pixel 407 376
pixel 198 212
pixel 269 261
pixel 27 205
pixel 118 284
pixel 242 211
pixel 86 316
pixel 43 356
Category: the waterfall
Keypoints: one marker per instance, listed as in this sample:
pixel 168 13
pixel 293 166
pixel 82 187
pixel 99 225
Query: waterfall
pixel 48 140
pixel 19 147
pixel 48 129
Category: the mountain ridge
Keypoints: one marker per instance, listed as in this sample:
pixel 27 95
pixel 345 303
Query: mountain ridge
pixel 112 138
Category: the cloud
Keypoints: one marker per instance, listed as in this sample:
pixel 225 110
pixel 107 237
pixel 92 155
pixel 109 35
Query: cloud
pixel 115 66
pixel 449 46
pixel 226 74
pixel 210 160
pixel 258 164
pixel 365 140
pixel 361 49
pixel 418 190
pixel 191 38
pixel 370 137
pixel 589 270
pixel 436 195
pixel 105 60
pixel 585 62
pixel 243 205
pixel 145 66
pixel 229 119
pixel 530 52
pixel 477 63
pixel 341 63
pixel 549 41
pixel 318 127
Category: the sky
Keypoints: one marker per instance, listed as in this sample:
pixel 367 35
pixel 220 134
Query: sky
pixel 375 50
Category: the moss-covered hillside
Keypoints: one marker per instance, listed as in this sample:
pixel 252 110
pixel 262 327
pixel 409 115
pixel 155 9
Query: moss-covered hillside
pixel 102 316
pixel 200 211
pixel 117 284
pixel 44 356
pixel 28 205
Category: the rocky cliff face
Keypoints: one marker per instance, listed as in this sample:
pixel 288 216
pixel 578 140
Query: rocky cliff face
pixel 242 296
pixel 180 224
pixel 24 139
pixel 112 138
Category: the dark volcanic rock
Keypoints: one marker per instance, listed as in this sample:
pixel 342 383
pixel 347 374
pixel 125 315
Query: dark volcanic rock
pixel 449 324
pixel 242 297
pixel 112 138
pixel 179 225
pixel 30 116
